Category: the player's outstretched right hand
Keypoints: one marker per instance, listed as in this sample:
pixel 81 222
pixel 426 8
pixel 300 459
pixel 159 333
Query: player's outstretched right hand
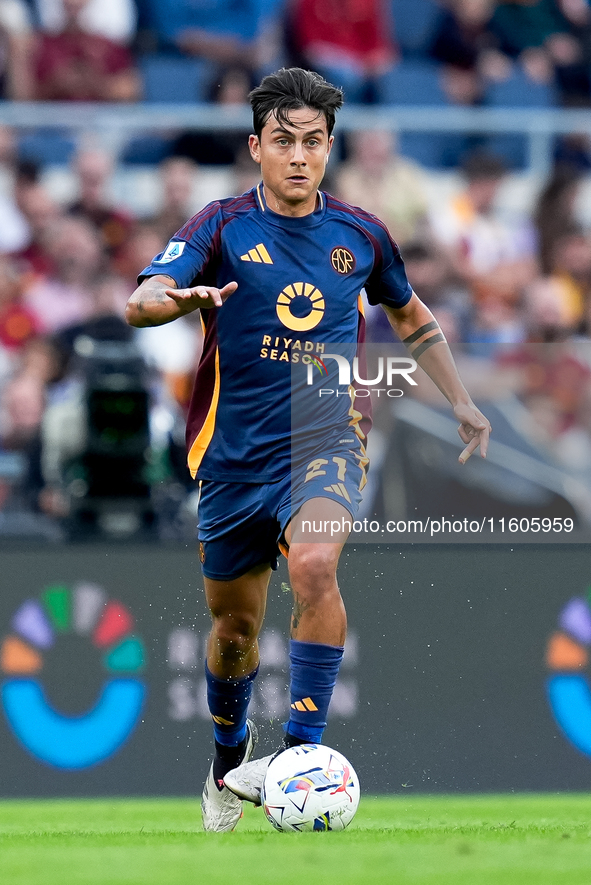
pixel 200 296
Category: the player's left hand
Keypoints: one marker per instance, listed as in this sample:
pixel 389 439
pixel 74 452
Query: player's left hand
pixel 201 296
pixel 474 430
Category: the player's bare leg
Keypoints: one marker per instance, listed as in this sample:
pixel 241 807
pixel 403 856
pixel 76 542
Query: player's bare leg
pixel 237 609
pixel 318 610
pixel 318 629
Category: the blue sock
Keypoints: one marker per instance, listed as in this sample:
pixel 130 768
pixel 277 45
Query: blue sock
pixel 314 670
pixel 228 701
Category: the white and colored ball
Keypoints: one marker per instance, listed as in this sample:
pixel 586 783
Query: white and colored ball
pixel 310 787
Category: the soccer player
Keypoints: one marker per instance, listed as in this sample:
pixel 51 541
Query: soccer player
pixel 277 274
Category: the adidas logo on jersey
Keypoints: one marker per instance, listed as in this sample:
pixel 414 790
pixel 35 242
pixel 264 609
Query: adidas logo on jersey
pixel 259 254
pixel 339 489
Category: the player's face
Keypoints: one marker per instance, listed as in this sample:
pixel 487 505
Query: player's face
pixel 292 158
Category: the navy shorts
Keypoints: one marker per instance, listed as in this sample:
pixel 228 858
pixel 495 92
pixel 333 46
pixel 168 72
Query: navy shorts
pixel 241 524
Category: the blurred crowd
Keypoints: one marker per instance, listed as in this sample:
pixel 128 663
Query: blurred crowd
pixel 93 50
pixel 503 277
pixel 67 270
pixel 510 284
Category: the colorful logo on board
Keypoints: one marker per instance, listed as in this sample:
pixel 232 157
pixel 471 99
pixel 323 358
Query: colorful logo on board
pixel 106 627
pixel 567 656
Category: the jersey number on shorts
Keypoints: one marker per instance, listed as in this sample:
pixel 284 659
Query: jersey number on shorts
pixel 315 468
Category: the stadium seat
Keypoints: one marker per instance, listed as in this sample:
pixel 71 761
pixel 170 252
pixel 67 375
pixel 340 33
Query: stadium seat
pixel 47 146
pixel 414 21
pixel 146 149
pixel 417 83
pixel 516 92
pixel 173 79
pixel 511 147
pixel 520 92
pixel 438 150
pixel 413 82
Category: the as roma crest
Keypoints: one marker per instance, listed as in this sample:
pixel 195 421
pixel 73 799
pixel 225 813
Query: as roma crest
pixel 342 260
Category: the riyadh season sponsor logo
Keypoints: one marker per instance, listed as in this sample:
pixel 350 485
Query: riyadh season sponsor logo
pixel 389 370
pixel 300 306
pixel 567 658
pixel 91 626
pixel 187 687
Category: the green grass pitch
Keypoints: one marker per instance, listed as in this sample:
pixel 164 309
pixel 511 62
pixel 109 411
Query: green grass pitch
pixel 423 840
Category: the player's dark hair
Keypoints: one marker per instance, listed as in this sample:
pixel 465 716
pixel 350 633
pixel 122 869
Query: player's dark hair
pixel 291 89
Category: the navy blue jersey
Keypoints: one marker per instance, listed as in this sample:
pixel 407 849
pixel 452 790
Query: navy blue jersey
pixel 299 283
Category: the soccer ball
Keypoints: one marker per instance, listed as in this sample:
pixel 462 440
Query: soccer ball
pixel 310 787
